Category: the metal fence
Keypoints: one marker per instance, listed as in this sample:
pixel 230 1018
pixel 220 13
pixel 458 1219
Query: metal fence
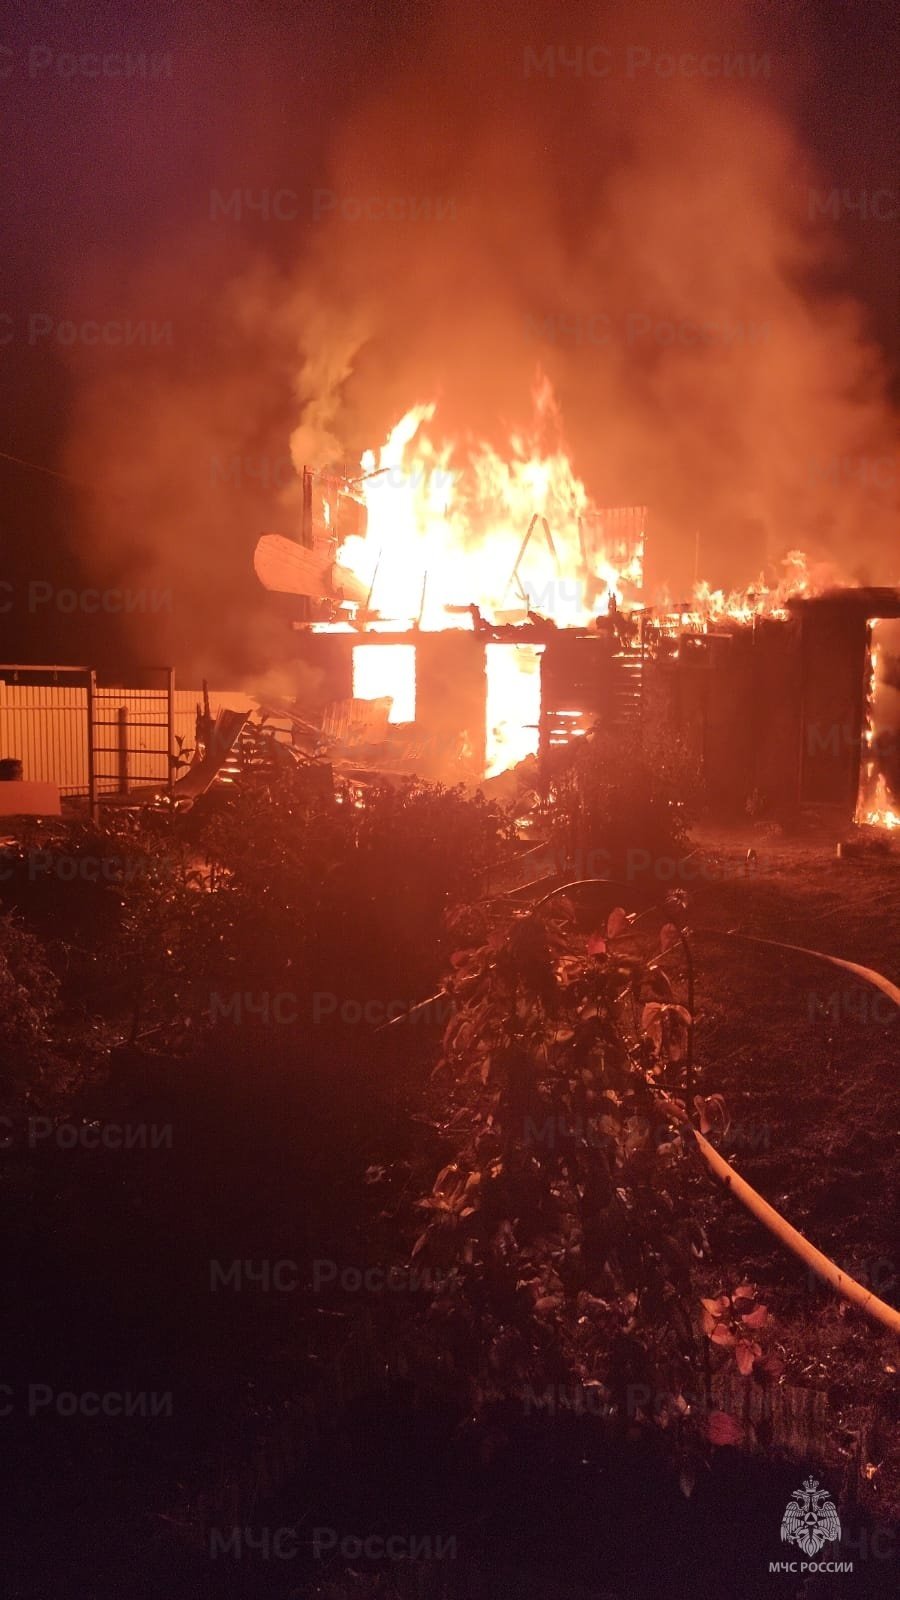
pixel 44 725
pixel 97 740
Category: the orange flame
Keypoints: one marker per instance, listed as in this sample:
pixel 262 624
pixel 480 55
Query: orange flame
pixel 456 533
pixel 760 600
pixel 874 804
pixel 878 812
pixel 447 523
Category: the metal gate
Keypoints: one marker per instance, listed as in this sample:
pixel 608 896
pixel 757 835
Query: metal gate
pixel 131 735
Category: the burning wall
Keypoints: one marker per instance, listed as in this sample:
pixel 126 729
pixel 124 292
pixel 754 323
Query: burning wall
pixel 773 713
pixel 453 537
pixel 794 712
pixel 879 786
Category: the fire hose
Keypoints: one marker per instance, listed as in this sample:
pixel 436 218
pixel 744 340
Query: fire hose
pixel 801 1247
pixel 823 1267
pixel 783 1231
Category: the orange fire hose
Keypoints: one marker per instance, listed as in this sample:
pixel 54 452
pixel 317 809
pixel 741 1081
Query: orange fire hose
pixel 772 1219
pixel 866 974
pixel 787 1235
pixel 760 1208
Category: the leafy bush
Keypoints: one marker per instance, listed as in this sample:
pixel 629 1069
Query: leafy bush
pixel 560 1225
pixel 624 800
pixel 28 998
pixel 270 888
pixel 341 894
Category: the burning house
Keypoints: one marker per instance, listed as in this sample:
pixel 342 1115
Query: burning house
pixel 462 617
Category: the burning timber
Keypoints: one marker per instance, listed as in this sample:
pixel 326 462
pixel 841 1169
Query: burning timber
pixel 799 709
pixel 467 615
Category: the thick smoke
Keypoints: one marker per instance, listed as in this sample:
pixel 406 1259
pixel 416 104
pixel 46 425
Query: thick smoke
pixel 649 235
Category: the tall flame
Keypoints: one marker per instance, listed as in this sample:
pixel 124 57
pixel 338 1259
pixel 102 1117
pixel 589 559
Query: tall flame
pixel 457 535
pixel 447 522
pixel 875 805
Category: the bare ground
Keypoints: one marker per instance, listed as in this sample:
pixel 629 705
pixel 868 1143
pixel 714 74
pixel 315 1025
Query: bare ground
pixel 806 1058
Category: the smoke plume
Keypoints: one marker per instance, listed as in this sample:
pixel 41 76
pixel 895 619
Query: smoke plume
pixel 522 187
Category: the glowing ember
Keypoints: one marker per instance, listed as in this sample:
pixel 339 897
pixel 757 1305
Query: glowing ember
pixel 880 813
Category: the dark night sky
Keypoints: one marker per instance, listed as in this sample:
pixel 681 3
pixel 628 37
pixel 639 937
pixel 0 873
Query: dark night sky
pixel 104 173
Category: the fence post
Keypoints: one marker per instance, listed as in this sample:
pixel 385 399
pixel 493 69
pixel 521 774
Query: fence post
pixel 92 770
pixel 170 723
pixel 122 751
